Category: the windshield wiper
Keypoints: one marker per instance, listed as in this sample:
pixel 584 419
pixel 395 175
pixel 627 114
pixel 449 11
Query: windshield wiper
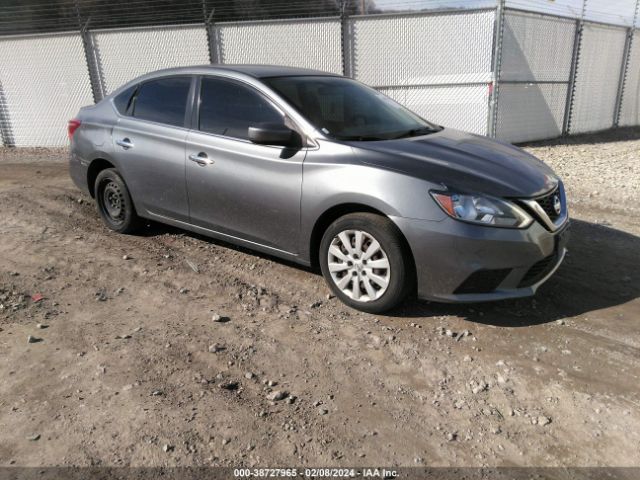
pixel 363 138
pixel 410 133
pixel 414 132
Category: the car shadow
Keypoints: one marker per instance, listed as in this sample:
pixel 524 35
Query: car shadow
pixel 155 229
pixel 601 270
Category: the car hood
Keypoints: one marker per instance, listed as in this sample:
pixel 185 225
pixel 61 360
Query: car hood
pixel 462 161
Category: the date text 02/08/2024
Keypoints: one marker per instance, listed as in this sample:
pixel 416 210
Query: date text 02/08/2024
pixel 373 472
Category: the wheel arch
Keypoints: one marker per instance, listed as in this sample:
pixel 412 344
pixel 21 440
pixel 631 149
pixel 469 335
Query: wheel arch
pixel 95 167
pixel 332 214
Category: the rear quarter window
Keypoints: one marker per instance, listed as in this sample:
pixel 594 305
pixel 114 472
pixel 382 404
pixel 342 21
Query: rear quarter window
pixel 122 101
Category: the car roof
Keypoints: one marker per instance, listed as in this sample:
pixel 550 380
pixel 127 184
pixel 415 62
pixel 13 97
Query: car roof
pixel 256 71
pixel 247 71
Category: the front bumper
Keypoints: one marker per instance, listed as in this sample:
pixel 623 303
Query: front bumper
pixel 461 262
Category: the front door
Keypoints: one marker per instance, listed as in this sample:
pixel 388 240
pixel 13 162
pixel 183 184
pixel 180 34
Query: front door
pixel 236 187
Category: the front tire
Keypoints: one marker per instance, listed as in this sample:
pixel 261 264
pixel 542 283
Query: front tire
pixel 114 202
pixel 365 263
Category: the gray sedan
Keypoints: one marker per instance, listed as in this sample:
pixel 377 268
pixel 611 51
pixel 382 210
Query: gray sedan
pixel 324 171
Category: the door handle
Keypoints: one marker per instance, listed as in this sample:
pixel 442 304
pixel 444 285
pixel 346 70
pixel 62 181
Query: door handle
pixel 125 143
pixel 201 159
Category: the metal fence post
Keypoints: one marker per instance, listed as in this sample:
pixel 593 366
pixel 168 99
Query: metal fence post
pixel 92 58
pixel 345 45
pixel 624 71
pixel 215 56
pixel 571 88
pixel 6 134
pixel 498 31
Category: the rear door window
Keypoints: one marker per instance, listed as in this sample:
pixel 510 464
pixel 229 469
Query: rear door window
pixel 229 108
pixel 163 100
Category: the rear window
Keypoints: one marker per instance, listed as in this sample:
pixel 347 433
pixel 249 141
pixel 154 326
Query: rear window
pixel 163 100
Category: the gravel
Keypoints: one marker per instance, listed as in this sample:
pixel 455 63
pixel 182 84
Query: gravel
pixel 33 155
pixel 592 164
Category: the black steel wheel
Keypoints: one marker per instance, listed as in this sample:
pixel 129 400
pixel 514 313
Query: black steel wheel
pixel 114 202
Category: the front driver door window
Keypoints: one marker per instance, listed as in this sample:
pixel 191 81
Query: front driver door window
pixel 229 108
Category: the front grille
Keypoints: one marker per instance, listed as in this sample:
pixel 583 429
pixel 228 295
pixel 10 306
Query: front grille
pixel 538 271
pixel 483 281
pixel 547 203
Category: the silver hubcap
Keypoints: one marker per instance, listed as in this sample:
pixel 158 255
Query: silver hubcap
pixel 358 265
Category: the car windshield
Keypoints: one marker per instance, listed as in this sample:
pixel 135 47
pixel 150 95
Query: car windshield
pixel 348 110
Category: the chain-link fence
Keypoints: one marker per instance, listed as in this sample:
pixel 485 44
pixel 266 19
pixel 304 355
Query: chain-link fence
pixel 534 76
pixel 307 43
pixel 630 105
pixel 128 53
pixel 597 78
pixel 497 70
pixel 44 81
pixel 424 62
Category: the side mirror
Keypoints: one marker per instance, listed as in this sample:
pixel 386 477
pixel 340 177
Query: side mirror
pixel 271 134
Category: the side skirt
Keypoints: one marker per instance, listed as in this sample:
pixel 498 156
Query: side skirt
pixel 227 238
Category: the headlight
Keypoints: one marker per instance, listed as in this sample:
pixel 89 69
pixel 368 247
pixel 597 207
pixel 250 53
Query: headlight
pixel 482 210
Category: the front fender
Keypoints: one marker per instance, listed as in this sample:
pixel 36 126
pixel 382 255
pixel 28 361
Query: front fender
pixel 329 184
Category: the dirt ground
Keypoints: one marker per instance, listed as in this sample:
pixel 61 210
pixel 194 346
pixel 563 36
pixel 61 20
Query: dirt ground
pixel 131 370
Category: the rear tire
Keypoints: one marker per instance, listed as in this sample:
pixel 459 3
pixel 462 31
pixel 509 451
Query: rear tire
pixel 365 263
pixel 114 202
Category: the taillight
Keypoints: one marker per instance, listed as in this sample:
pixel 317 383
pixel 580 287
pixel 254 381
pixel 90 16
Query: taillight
pixel 72 126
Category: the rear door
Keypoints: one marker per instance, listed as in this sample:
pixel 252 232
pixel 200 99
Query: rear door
pixel 149 144
pixel 236 187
